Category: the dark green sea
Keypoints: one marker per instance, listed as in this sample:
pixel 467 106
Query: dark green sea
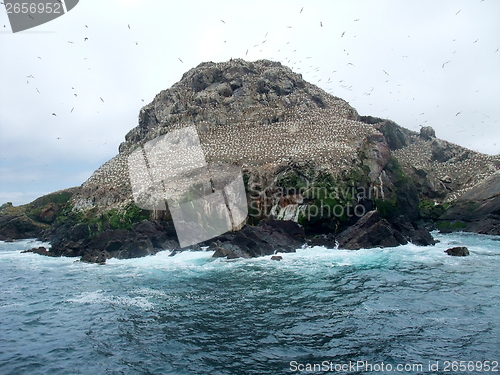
pixel 316 311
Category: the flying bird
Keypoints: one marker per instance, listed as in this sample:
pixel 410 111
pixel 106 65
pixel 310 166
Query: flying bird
pixel 69 41
pixel 301 9
pixel 129 26
pixel 86 26
pixel 85 39
pixel 181 61
pixel 53 114
pixel 222 21
pixel 385 72
pixel 342 34
pixel 246 53
pixel 458 113
pixel 475 41
pixel 30 16
pixel 445 63
pixel 458 12
pixel 72 109
pixel 37 91
pixel 321 24
pixel 102 99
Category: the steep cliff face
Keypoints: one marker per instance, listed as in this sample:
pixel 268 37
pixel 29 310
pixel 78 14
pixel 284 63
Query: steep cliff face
pixel 478 209
pixel 305 155
pixel 260 116
pixel 284 133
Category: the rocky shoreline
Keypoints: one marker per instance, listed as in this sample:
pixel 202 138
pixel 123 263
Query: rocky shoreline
pixel 315 172
pixel 269 237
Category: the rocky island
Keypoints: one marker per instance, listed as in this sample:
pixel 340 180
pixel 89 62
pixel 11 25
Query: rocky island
pixel 315 172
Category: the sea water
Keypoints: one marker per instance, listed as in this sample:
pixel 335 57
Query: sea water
pixel 314 311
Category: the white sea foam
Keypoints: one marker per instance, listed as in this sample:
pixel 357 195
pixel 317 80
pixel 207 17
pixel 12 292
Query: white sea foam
pixel 99 297
pixel 305 259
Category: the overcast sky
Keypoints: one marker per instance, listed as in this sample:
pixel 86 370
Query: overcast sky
pixel 430 62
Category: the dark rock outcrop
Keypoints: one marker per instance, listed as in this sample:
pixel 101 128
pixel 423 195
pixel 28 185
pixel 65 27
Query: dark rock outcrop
pixel 460 251
pixel 416 235
pixel 477 210
pixel 326 240
pixel 441 151
pixel 394 134
pixel 267 238
pixel 144 238
pixel 427 133
pixel 370 231
pixel 38 250
pixel 374 231
pixel 32 219
pixel 18 226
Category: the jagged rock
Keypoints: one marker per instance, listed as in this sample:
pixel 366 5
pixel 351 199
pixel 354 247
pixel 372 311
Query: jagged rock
pixel 376 155
pixel 98 258
pixel 417 236
pixel 326 240
pixel 441 151
pixel 14 227
pixel 370 231
pixel 394 135
pixel 32 219
pixel 264 239
pixel 144 238
pixel 458 251
pixel 276 257
pixel 427 132
pixel 479 208
pixel 422 237
pixel 38 250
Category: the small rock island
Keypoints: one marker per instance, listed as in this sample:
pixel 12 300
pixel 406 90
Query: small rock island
pixel 315 172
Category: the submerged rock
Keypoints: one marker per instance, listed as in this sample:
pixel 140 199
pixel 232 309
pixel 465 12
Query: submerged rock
pixel 460 251
pixel 38 250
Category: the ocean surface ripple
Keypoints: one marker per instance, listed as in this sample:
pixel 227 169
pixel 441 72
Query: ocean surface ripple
pixel 194 314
